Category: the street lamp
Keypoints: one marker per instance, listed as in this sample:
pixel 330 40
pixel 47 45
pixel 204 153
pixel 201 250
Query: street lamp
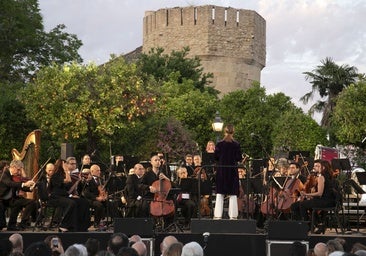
pixel 217 125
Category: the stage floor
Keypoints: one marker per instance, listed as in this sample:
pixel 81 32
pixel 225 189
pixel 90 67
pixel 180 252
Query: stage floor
pixel 255 244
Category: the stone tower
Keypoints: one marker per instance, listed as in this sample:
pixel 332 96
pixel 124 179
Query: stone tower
pixel 231 43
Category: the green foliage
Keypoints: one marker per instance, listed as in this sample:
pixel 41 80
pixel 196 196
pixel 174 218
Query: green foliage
pixel 193 108
pixel 328 79
pixel 253 111
pixel 25 46
pixel 75 102
pixel 14 127
pixel 161 66
pixel 297 131
pixel 350 114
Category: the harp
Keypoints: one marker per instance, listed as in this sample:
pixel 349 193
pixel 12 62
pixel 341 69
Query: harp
pixel 30 153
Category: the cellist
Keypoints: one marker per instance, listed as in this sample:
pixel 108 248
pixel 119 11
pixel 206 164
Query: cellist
pixel 153 174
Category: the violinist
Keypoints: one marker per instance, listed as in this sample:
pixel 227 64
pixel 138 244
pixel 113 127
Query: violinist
pixel 10 186
pixel 322 197
pixel 97 197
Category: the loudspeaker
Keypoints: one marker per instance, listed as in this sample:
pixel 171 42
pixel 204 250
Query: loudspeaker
pixel 285 248
pixel 66 150
pixel 132 226
pixel 288 230
pixel 200 226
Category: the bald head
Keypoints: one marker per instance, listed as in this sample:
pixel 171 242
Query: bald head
pixel 140 247
pixel 320 249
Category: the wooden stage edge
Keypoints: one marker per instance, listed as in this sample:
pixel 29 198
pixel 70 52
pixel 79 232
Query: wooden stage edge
pixel 217 244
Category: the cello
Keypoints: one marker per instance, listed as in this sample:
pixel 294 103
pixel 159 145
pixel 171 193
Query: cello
pixel 160 206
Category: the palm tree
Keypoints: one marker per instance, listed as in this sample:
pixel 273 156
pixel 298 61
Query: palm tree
pixel 328 80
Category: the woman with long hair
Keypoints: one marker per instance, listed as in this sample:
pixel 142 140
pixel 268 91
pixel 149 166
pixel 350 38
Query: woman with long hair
pixel 227 154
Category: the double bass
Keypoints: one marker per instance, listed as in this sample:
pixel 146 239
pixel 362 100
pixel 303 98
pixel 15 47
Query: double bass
pixel 160 206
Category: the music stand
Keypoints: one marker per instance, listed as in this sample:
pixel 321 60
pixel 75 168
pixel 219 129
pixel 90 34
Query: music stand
pixel 173 193
pixel 341 164
pixel 257 166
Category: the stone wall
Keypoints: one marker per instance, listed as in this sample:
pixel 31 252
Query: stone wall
pixel 231 43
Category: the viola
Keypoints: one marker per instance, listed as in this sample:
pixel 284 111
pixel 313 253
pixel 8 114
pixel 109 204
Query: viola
pixel 160 206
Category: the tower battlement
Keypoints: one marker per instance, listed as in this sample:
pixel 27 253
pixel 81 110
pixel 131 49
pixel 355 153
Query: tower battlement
pixel 231 43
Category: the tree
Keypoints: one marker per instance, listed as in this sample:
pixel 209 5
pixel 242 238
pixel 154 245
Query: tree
pixel 328 79
pixel 25 46
pixel 350 114
pixel 161 66
pixel 85 101
pixel 297 131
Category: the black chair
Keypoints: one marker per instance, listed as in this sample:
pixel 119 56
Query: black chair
pixel 331 218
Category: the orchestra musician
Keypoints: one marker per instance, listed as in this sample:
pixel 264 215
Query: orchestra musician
pixel 186 198
pixel 136 205
pixel 153 174
pixel 11 184
pixel 97 196
pixel 322 197
pixel 76 214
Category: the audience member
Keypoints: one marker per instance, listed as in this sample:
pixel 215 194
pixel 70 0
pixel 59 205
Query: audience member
pixel 192 249
pixel 17 241
pixel 76 250
pixel 357 246
pixel 127 251
pixel 174 249
pixel 334 245
pixel 360 253
pixel 167 241
pixel 320 249
pixel 38 249
pixel 92 246
pixel 55 243
pixel 140 247
pixel 116 242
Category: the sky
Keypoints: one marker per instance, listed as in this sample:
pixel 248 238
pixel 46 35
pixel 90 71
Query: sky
pixel 300 33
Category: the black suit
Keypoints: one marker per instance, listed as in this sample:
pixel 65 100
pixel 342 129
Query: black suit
pixel 137 206
pixel 91 192
pixel 9 193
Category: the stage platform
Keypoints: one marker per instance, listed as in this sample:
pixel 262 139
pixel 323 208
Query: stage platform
pixel 218 243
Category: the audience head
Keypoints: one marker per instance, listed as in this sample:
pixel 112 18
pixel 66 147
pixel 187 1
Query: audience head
pixel 320 249
pixel 127 251
pixel 357 246
pixel 174 249
pixel 92 246
pixel 37 249
pixel 17 241
pixel 140 247
pixel 76 250
pixel 167 241
pixel 192 249
pixel 104 253
pixel 334 245
pixel 117 241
